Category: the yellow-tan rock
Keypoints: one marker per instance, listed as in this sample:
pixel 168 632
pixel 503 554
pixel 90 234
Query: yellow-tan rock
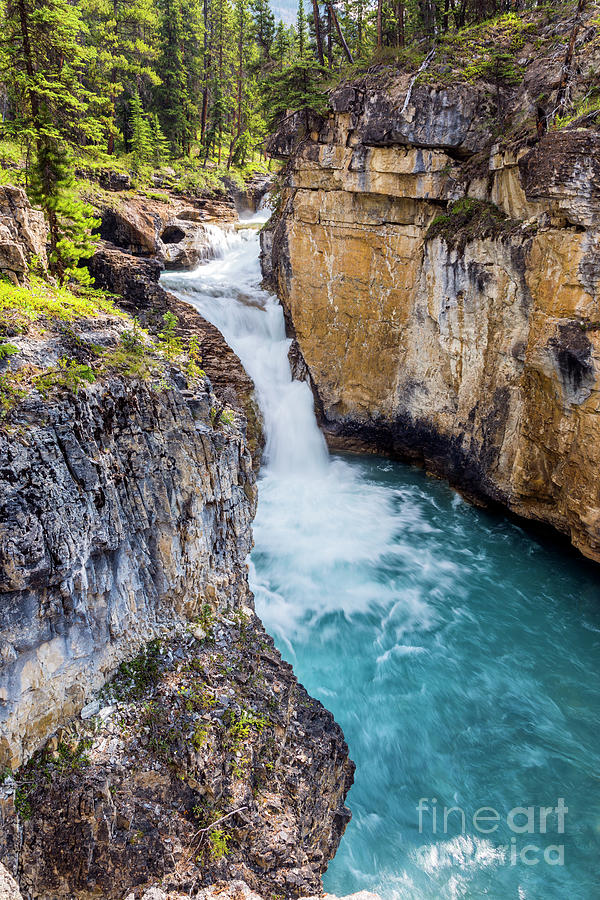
pixel 473 351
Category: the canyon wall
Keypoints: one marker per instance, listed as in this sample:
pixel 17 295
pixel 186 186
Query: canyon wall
pixel 442 286
pixel 123 511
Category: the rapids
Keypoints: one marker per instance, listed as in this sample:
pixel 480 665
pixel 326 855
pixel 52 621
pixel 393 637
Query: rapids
pixel 459 653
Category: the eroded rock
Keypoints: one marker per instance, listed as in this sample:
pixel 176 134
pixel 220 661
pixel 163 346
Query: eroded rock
pixel 211 763
pixel 473 352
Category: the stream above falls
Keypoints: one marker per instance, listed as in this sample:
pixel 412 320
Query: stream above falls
pixel 459 653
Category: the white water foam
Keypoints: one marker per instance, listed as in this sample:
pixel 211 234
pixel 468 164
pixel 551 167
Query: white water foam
pixel 318 519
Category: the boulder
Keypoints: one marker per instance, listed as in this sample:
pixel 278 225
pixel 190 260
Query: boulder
pixel 23 234
pixel 184 242
pixel 114 181
pixel 132 227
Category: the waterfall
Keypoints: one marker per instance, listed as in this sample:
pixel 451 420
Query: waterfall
pixel 226 292
pixel 216 241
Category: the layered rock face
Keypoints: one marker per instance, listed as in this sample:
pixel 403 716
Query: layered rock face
pixel 122 509
pixel 462 335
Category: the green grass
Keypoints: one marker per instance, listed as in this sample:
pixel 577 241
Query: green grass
pixel 585 106
pixel 21 306
pixel 485 51
pixel 468 219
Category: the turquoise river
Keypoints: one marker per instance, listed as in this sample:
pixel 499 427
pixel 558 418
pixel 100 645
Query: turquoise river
pixel 459 653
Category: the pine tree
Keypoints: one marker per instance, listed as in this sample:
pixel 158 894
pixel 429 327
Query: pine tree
pixel 54 114
pixel 281 45
pixel 220 78
pixel 300 86
pixel 180 67
pixel 172 93
pixel 241 24
pixel 160 145
pixel 264 25
pixel 302 30
pixel 142 146
pixel 122 35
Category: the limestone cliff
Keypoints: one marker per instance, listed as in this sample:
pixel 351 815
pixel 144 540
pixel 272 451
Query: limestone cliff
pixel 437 255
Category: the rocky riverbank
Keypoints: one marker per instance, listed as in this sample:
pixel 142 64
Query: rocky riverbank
pixel 127 492
pixel 436 249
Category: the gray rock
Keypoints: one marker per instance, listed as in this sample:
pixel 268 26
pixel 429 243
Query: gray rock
pixel 23 234
pixel 9 889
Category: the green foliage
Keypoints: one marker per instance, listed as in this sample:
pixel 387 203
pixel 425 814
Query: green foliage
pixel 218 844
pixel 180 32
pixel 20 306
pixel 69 374
pixel 169 344
pixel 137 675
pixel 160 145
pixel 468 219
pixel 200 735
pixel 142 150
pixel 206 619
pixel 23 803
pixel 301 32
pixel 240 728
pixel 7 350
pixel 196 698
pixel 300 86
pixel 587 107
pixel 54 114
pixel 71 757
pixel 221 416
pixel 194 369
pixel 133 341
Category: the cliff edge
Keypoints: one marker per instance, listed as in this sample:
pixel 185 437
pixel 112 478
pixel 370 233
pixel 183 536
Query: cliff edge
pixel 436 248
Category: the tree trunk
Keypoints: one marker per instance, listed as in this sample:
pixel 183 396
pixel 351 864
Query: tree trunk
pixel 317 21
pixel 240 76
pixel 400 24
pixel 568 63
pixel 338 30
pixel 379 24
pixel 204 113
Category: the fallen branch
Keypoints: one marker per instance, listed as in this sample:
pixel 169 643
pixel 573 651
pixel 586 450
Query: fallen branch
pixel 202 831
pixel 421 68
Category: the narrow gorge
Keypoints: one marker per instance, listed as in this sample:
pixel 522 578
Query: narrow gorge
pixel 300 452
